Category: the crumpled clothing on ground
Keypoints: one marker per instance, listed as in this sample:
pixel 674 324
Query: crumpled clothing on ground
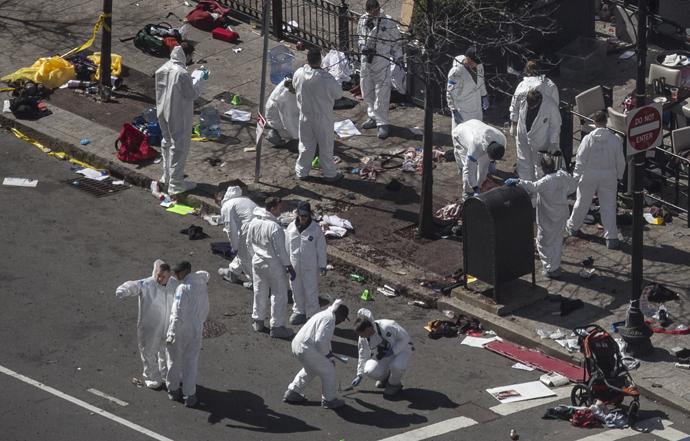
pixel 451 211
pixel 370 172
pixel 335 226
pixel 194 232
pixel 612 420
pixel 413 159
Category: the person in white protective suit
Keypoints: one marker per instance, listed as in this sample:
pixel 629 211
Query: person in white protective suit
pixel 282 114
pixel 600 163
pixel 379 42
pixel 312 347
pixel 477 145
pixel 236 213
pixel 538 129
pixel 316 92
pixel 176 91
pixel 384 352
pixel 306 245
pixel 552 212
pixel 270 259
pixel 189 311
pixel 155 302
pixel 466 90
pixel 533 80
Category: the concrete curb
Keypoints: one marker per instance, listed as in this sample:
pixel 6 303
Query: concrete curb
pixel 505 327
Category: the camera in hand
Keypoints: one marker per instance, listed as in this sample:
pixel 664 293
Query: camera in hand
pixel 382 349
pixel 369 53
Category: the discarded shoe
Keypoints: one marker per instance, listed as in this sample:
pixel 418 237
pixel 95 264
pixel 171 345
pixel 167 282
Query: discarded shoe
pixel 298 319
pixel 190 401
pixel 282 332
pixel 332 404
pixel 383 131
pixel 369 123
pixel 571 231
pixel 258 325
pixel 664 321
pixel 174 395
pixel 612 244
pixel 392 389
pixel 274 138
pixel 228 275
pixel 293 397
pixel 381 384
pixel 335 178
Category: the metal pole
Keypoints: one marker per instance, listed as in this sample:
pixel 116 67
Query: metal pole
pixel 426 222
pixel 278 19
pixel 106 40
pixel 635 332
pixel 267 22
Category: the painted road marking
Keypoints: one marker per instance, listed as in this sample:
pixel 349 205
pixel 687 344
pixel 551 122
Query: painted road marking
pixel 84 404
pixel 509 408
pixel 108 397
pixel 655 426
pixel 432 430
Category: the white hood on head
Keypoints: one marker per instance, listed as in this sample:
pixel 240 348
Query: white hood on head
pixel 231 193
pixel 366 314
pixel 600 134
pixel 177 55
pixel 156 264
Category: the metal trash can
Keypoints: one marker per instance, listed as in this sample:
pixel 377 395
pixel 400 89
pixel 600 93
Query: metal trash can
pixel 498 236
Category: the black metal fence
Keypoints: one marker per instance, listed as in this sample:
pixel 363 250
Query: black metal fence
pixel 318 22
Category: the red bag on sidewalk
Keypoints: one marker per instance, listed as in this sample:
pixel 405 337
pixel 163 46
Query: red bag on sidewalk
pixel 225 35
pixel 134 146
pixel 208 15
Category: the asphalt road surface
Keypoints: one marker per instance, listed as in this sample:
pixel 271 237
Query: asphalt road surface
pixel 69 353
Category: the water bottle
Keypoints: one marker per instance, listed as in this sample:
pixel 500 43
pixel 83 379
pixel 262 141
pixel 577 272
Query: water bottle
pixel 210 122
pixel 448 313
pixel 73 84
pixel 356 278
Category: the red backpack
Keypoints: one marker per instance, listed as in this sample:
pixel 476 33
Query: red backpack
pixel 584 418
pixel 134 146
pixel 200 17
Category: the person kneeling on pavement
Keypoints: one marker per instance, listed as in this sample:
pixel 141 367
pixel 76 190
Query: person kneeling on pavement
pixel 312 347
pixel 155 301
pixel 306 245
pixel 282 114
pixel 552 212
pixel 384 352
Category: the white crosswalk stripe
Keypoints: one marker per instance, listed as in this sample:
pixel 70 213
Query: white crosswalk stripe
pixel 437 429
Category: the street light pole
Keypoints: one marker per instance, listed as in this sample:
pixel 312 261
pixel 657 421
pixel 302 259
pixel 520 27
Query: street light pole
pixel 635 332
pixel 106 44
pixel 262 96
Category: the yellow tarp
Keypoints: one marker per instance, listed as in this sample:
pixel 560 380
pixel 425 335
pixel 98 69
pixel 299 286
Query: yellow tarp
pixel 115 65
pixel 50 72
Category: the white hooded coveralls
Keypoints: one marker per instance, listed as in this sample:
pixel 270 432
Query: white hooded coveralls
pixel 266 242
pixel 189 312
pixel 307 252
pixel 543 135
pixel 375 81
pixel 528 84
pixel 155 303
pixel 311 345
pixel 317 91
pixel 282 113
pixel 463 93
pixel 175 95
pixel 552 213
pixel 388 333
pixel 236 213
pixel 471 139
pixel 599 164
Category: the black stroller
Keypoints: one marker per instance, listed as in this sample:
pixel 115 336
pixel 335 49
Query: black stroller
pixel 605 376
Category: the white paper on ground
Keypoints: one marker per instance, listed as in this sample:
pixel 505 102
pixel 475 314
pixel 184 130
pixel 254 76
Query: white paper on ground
pixel 416 131
pixel 335 231
pixel 523 367
pixel 520 392
pixel 335 221
pixel 93 174
pixel 345 129
pixel 239 115
pixel 554 379
pixel 20 182
pixel 478 342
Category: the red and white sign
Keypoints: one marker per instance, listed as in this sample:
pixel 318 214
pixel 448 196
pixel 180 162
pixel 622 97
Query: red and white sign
pixel 260 124
pixel 644 128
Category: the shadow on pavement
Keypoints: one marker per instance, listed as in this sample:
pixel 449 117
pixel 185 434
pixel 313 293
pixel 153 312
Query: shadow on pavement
pixel 248 411
pixel 378 416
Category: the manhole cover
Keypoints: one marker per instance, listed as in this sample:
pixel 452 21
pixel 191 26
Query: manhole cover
pixel 97 189
pixel 213 329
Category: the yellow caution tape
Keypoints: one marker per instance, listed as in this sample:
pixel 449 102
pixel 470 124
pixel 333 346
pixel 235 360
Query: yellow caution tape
pixel 7 90
pixel 101 21
pixel 196 137
pixel 59 155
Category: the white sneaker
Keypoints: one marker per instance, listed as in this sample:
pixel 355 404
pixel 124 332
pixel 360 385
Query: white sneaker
pixel 153 384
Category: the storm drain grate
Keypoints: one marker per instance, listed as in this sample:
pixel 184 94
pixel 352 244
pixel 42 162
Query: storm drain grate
pixel 97 189
pixel 213 329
